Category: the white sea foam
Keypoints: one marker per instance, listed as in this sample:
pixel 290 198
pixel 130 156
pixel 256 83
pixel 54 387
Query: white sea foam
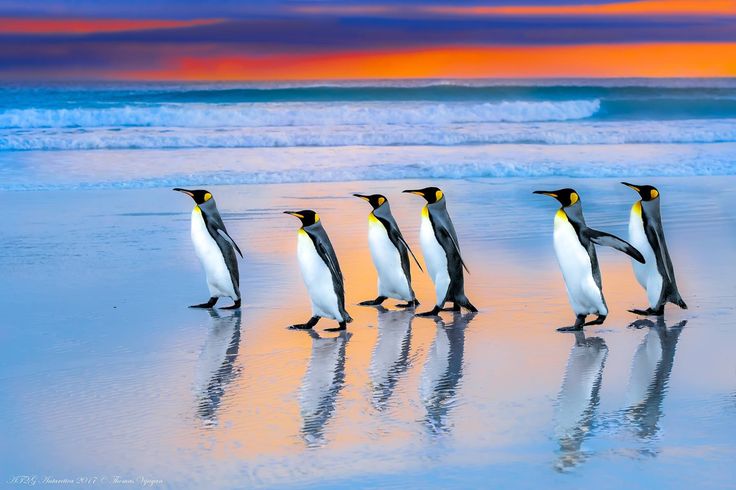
pixel 297 114
pixel 543 133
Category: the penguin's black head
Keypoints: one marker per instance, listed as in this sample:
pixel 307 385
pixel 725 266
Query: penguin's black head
pixel 647 192
pixel 375 200
pixel 200 196
pixel 306 216
pixel 566 197
pixel 431 194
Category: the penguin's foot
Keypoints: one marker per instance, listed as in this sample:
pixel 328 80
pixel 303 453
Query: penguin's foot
pixel 648 312
pixel 579 323
pixel 342 326
pixel 410 304
pixel 433 312
pixel 233 306
pixel 373 302
pixel 208 304
pixel 571 328
pixel 597 321
pixel 305 326
pixel 454 307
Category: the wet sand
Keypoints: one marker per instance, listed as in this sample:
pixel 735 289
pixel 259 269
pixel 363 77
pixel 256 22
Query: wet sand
pixel 105 372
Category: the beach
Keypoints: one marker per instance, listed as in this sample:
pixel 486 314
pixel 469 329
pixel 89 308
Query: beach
pixel 108 379
pixel 106 372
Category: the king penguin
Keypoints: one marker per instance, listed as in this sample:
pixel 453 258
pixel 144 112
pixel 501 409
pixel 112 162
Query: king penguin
pixel 215 249
pixel 321 272
pixel 390 254
pixel 442 252
pixel 575 248
pixel 657 275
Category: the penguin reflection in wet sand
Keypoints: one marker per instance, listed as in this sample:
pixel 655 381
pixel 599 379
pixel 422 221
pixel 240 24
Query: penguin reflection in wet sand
pixel 442 252
pixel 657 276
pixel 215 249
pixel 321 272
pixel 575 248
pixel 390 254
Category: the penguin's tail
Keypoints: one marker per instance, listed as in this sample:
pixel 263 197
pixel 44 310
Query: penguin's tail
pixel 676 299
pixel 348 318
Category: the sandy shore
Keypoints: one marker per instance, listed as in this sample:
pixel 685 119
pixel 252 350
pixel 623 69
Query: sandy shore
pixel 106 372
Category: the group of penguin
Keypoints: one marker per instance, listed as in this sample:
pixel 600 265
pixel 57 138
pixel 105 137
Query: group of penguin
pixel 574 244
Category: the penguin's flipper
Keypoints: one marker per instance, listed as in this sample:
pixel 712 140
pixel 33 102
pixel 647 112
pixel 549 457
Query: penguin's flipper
pixel 394 234
pixel 449 242
pixel 401 239
pixel 607 240
pixel 223 233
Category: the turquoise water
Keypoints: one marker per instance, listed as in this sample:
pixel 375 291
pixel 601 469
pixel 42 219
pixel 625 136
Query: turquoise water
pixel 156 135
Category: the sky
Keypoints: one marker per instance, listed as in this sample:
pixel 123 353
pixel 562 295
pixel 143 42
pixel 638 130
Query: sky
pixel 354 39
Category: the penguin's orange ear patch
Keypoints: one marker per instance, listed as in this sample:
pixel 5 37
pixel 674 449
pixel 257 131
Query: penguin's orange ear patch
pixel 438 195
pixel 654 193
pixel 207 196
pixel 381 200
pixel 574 198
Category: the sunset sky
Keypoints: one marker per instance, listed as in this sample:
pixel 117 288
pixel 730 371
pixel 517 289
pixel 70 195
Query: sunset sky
pixel 308 40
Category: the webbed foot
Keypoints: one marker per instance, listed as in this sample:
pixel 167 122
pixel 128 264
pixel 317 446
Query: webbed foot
pixel 373 302
pixel 433 312
pixel 342 326
pixel 233 306
pixel 208 304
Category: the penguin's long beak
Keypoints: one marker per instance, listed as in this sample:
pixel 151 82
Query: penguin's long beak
pixel 636 188
pixel 188 193
pixel 363 197
pixel 546 193
pixel 294 213
pixel 413 191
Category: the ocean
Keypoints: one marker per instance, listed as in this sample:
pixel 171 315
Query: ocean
pixel 155 135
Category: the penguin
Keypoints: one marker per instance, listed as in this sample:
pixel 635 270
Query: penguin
pixel 441 252
pixel 390 254
pixel 577 402
pixel 443 370
pixel 215 249
pixel 650 374
pixel 321 272
pixel 390 359
pixel 574 245
pixel 657 275
pixel 321 385
pixel 216 367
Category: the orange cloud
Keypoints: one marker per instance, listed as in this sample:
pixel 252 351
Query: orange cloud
pixel 630 60
pixel 22 25
pixel 644 7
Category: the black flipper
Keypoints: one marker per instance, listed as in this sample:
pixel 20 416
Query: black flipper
pixel 608 240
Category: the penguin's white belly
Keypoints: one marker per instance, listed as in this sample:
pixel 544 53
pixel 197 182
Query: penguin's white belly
pixel 318 279
pixel 585 296
pixel 647 274
pixel 219 281
pixel 435 258
pixel 392 281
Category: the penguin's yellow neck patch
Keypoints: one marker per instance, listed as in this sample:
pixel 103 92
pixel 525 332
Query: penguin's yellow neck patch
pixel 301 231
pixel 197 209
pixel 372 218
pixel 425 212
pixel 636 208
pixel 561 215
